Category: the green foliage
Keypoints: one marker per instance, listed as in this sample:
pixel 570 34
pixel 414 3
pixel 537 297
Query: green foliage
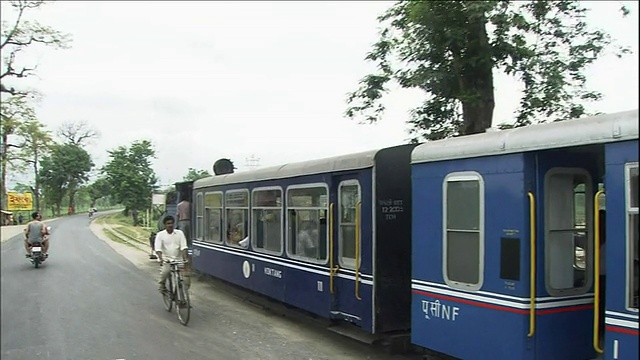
pixel 449 49
pixel 22 188
pixel 194 174
pixel 130 174
pixel 36 141
pixel 98 189
pixel 13 114
pixel 62 171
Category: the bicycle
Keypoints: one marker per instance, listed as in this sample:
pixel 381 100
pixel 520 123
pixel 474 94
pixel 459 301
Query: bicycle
pixel 177 293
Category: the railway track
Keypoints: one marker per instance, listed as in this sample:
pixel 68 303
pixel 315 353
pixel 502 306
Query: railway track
pixel 135 242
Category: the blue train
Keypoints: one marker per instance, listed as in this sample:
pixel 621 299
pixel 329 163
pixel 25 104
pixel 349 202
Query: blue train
pixel 481 247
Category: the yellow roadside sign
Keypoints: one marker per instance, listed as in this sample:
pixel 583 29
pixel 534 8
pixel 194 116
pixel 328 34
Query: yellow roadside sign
pixel 17 201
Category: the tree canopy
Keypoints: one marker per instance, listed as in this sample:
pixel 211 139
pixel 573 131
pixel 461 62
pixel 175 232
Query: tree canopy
pixel 130 174
pixel 194 174
pixel 450 50
pixel 77 133
pixel 98 189
pixel 36 142
pixel 62 171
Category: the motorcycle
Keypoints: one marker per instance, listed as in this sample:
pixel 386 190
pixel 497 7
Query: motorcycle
pixel 37 256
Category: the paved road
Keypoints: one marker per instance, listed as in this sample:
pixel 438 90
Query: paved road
pixel 88 301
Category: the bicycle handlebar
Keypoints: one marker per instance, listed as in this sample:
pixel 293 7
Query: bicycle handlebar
pixel 175 262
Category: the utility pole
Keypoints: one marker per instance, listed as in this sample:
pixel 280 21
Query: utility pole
pixel 252 162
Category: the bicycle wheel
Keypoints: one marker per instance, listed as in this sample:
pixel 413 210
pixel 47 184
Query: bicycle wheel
pixel 183 305
pixel 166 296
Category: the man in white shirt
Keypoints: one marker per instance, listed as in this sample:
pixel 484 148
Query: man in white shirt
pixel 170 244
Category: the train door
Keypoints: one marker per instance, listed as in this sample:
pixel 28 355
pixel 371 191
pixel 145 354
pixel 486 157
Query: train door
pixel 345 250
pixel 564 300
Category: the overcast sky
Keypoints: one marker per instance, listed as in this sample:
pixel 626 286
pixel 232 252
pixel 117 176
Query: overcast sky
pixel 205 80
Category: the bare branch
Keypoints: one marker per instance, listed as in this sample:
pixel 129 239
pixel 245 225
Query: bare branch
pixel 13 30
pixel 20 35
pixel 78 133
pixel 11 71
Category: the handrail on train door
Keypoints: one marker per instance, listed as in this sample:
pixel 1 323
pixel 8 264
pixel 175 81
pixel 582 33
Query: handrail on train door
pixel 332 269
pixel 532 275
pixel 596 272
pixel 357 267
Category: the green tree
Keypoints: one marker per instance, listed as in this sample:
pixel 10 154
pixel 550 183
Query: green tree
pixel 35 142
pixel 13 113
pixel 65 168
pixel 76 133
pixel 131 176
pixel 450 50
pixel 193 175
pixel 98 189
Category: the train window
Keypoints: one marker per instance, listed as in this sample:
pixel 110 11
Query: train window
pixel 267 219
pixel 463 233
pixel 237 211
pixel 633 262
pixel 568 231
pixel 307 232
pixel 213 217
pixel 199 216
pixel 348 199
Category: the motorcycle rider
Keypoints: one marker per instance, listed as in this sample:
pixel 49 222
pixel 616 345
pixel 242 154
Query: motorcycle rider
pixel 36 232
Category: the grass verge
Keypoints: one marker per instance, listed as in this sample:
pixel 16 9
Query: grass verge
pixel 120 223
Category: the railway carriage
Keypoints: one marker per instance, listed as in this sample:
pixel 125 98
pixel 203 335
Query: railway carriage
pixel 622 263
pixel 328 236
pixel 506 241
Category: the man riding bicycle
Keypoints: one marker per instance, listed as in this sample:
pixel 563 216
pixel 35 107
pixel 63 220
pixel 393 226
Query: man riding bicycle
pixel 170 243
pixel 36 232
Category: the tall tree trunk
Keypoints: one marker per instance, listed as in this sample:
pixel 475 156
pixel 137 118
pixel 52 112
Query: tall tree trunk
pixel 37 182
pixel 5 148
pixel 72 200
pixel 477 80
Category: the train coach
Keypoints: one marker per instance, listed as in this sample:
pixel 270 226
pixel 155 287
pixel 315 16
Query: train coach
pixel 329 236
pixel 507 237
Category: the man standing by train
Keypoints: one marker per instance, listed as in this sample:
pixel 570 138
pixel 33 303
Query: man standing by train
pixel 184 224
pixel 184 217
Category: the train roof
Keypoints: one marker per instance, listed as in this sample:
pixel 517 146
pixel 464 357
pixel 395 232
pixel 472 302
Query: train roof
pixel 584 131
pixel 361 160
